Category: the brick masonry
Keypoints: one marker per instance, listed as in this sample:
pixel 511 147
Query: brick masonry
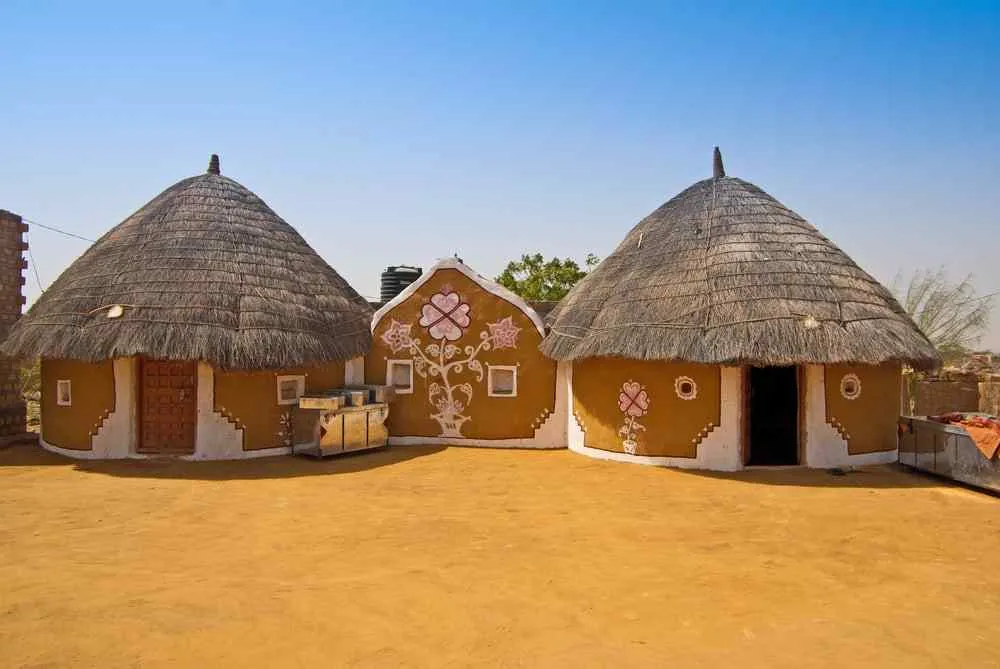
pixel 12 299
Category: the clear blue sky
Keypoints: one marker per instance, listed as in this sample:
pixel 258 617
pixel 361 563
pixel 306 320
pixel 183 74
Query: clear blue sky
pixel 402 132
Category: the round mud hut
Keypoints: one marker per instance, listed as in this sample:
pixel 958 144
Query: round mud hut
pixel 191 329
pixel 725 331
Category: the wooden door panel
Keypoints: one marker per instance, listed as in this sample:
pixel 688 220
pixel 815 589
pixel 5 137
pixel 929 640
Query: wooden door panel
pixel 169 407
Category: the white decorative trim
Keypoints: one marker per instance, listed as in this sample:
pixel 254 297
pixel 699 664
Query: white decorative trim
pixel 484 283
pixel 300 390
pixel 60 384
pixel 825 447
pixel 689 395
pixel 389 364
pixel 117 436
pixel 845 381
pixel 216 438
pixel 574 433
pixel 489 379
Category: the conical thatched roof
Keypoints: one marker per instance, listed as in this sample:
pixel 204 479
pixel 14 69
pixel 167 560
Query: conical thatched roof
pixel 725 274
pixel 204 271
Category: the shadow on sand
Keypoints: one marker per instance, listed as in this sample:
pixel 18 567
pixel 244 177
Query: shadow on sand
pixel 871 476
pixel 280 466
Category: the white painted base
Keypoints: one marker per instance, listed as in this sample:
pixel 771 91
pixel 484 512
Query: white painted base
pixel 484 443
pixel 94 455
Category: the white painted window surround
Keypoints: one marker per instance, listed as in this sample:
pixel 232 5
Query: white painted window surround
pixel 290 388
pixel 399 375
pixel 64 393
pixel 501 380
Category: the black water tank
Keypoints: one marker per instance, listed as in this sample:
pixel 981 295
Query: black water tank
pixel 395 279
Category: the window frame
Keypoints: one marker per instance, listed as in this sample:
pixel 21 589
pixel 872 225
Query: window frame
pixel 402 362
pixel 69 394
pixel 300 387
pixel 489 380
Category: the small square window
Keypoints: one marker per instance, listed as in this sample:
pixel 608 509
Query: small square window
pixel 502 381
pixel 290 389
pixel 399 375
pixel 64 393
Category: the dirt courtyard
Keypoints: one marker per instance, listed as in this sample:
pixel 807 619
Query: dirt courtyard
pixel 435 557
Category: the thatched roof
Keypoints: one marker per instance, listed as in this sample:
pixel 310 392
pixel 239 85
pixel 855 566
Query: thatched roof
pixel 204 271
pixel 725 274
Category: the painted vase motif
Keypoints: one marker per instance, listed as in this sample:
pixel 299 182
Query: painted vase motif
pixel 633 402
pixel 446 318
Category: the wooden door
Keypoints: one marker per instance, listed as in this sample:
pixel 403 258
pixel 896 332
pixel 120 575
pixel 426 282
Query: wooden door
pixel 169 394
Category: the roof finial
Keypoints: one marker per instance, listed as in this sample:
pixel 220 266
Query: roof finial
pixel 213 164
pixel 718 171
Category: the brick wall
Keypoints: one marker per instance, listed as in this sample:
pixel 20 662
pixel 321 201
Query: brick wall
pixel 938 396
pixel 989 395
pixel 12 266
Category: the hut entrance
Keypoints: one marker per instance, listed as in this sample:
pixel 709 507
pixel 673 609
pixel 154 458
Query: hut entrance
pixel 773 403
pixel 168 407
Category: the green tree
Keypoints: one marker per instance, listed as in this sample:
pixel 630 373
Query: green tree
pixel 952 315
pixel 534 278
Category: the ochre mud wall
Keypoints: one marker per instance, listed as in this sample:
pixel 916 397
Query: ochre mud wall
pixel 250 400
pixel 479 315
pixel 93 398
pixel 620 401
pixel 867 422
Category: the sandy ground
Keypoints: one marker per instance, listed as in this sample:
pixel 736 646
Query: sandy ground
pixel 444 557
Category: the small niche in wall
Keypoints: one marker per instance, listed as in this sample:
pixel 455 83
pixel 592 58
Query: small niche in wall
pixel 399 375
pixel 502 381
pixel 64 393
pixel 290 389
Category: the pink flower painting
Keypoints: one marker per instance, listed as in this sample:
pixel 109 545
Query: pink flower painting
pixel 397 336
pixel 633 401
pixel 445 316
pixel 504 333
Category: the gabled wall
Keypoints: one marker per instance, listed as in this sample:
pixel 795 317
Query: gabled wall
pixel 454 320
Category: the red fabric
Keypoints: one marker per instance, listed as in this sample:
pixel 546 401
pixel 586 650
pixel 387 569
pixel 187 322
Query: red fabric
pixel 985 432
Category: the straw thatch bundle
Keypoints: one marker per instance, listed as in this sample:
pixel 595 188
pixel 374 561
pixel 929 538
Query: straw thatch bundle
pixel 725 274
pixel 204 271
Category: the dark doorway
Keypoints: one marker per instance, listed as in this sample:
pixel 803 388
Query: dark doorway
pixel 774 416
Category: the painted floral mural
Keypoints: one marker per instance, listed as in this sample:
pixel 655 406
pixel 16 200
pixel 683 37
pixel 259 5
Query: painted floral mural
pixel 633 402
pixel 446 318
